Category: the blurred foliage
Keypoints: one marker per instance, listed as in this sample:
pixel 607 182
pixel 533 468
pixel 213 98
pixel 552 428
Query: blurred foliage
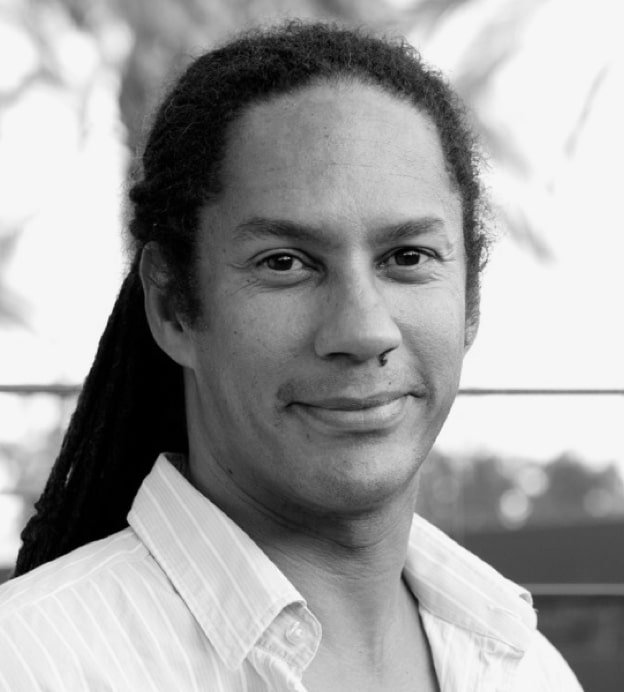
pixel 167 34
pixel 26 459
pixel 12 307
pixel 489 492
pixel 151 41
pixel 482 492
pixel 148 42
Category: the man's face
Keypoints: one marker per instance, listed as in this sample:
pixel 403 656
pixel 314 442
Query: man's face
pixel 337 238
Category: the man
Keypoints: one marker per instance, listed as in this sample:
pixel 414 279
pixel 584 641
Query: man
pixel 307 252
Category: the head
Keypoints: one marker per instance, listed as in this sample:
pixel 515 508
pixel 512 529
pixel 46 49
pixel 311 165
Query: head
pixel 334 142
pixel 184 209
pixel 181 165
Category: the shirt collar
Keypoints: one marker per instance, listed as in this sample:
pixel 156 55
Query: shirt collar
pixel 232 588
pixel 236 592
pixel 458 587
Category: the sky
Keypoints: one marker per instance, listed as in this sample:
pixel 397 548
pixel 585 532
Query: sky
pixel 545 323
pixel 554 322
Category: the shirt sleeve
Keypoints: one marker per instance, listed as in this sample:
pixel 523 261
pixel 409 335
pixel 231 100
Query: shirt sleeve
pixel 543 669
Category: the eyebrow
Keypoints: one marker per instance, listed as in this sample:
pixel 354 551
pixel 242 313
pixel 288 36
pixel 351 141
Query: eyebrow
pixel 259 227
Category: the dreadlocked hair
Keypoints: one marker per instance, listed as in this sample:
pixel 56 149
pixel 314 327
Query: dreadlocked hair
pixel 130 409
pixel 132 405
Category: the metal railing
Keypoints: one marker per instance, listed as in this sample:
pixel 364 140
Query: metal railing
pixel 60 390
pixel 580 590
pixel 66 390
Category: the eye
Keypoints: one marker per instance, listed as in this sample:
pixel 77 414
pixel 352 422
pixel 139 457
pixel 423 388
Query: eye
pixel 408 257
pixel 408 264
pixel 284 269
pixel 282 262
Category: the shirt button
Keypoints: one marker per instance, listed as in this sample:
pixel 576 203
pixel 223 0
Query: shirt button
pixel 294 633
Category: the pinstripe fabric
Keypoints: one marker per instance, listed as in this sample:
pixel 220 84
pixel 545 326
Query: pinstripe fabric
pixel 184 600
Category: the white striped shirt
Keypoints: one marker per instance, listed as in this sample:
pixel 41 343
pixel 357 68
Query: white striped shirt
pixel 183 599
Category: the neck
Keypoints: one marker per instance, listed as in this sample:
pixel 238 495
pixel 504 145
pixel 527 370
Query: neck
pixel 350 577
pixel 347 567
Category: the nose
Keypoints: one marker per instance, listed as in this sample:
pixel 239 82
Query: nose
pixel 356 323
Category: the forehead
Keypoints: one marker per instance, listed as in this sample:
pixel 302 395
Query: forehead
pixel 335 151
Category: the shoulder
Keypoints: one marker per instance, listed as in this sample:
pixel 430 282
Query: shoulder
pixel 462 591
pixel 543 669
pixel 85 565
pixel 55 620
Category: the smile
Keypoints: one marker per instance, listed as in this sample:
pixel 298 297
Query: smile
pixel 374 414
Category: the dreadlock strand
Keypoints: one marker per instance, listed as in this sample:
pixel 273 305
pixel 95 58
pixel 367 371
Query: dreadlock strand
pixel 100 465
pixel 132 404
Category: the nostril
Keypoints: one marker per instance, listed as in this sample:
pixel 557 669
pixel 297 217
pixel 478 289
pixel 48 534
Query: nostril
pixel 383 357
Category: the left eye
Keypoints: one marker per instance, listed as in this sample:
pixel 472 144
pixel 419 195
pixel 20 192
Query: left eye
pixel 408 257
pixel 282 263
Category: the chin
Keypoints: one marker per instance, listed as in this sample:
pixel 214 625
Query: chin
pixel 361 487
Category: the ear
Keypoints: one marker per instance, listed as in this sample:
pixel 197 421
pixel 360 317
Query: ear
pixel 168 330
pixel 470 330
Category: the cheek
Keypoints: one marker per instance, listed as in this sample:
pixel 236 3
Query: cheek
pixel 258 333
pixel 433 328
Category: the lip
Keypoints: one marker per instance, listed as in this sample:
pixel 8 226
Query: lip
pixel 348 403
pixel 377 413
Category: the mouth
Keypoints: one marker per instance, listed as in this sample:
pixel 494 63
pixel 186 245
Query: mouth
pixel 376 413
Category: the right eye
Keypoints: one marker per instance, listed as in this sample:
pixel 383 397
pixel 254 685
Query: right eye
pixel 283 268
pixel 282 262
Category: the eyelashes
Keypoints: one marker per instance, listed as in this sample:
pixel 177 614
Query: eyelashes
pixel 281 262
pixel 286 262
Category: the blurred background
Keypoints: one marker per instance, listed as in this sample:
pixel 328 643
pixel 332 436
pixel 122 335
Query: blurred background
pixel 529 471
